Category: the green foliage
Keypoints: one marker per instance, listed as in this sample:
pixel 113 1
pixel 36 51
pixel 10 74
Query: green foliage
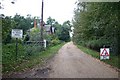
pixel 55 41
pixel 51 21
pixel 25 52
pixel 64 31
pixel 61 31
pixel 24 61
pixel 0 52
pixel 52 40
pixel 7 24
pixel 23 23
pixel 34 34
pixel 97 25
pixel 67 25
pixel 64 35
pixel 17 22
pixel 9 56
pixel 29 48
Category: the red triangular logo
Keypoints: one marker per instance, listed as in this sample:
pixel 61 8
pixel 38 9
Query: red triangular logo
pixel 104 51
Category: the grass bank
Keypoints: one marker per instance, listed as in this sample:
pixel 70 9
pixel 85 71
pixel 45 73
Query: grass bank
pixel 112 61
pixel 21 65
pixel 0 59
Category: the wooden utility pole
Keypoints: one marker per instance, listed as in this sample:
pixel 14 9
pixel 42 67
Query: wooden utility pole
pixel 41 31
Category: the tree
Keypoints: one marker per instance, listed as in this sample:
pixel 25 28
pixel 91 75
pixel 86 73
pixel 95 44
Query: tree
pixel 64 34
pixel 97 25
pixel 61 31
pixel 64 31
pixel 7 24
pixel 67 25
pixel 17 22
pixel 23 23
pixel 50 21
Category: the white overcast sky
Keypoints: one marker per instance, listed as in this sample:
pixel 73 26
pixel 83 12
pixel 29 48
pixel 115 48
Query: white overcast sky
pixel 60 10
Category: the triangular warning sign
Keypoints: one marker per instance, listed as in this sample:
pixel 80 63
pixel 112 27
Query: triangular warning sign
pixel 104 53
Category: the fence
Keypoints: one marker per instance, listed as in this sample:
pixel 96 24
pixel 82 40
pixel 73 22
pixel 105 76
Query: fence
pixel 33 47
pixel 24 50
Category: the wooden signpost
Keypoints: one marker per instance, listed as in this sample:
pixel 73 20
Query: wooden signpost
pixel 17 33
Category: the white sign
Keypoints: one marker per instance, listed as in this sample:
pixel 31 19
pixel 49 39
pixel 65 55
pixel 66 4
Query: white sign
pixel 104 53
pixel 17 33
pixel 45 44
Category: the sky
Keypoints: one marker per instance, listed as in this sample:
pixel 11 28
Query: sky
pixel 60 10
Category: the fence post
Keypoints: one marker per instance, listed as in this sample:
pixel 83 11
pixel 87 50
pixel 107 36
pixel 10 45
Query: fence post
pixel 45 44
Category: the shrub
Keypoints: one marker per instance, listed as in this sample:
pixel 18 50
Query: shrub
pixel 55 42
pixel 97 44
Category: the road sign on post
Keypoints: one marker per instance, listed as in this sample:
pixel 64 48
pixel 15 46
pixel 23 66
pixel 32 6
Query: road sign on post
pixel 104 53
pixel 17 33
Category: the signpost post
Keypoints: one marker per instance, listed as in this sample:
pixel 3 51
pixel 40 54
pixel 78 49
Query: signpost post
pixel 16 47
pixel 17 33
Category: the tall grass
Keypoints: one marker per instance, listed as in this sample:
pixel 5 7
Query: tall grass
pixel 112 61
pixel 28 56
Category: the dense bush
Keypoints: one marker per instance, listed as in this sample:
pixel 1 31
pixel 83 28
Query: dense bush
pixel 25 52
pixel 97 25
pixel 55 42
pixel 9 56
pixel 16 22
pixel 64 34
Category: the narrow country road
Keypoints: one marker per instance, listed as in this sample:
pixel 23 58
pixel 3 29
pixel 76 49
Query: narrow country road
pixel 71 62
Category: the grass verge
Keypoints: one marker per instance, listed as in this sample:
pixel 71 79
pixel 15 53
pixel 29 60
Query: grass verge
pixel 39 58
pixel 113 61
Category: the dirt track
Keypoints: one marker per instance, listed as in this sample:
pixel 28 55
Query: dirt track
pixel 71 62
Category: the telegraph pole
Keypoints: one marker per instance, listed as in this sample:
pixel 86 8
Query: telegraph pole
pixel 41 31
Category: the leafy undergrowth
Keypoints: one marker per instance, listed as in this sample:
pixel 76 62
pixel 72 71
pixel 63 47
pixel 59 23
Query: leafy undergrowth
pixel 28 62
pixel 112 61
pixel 0 58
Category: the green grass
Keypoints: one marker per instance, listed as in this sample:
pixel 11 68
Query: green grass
pixel 112 61
pixel 0 53
pixel 23 64
pixel 0 57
